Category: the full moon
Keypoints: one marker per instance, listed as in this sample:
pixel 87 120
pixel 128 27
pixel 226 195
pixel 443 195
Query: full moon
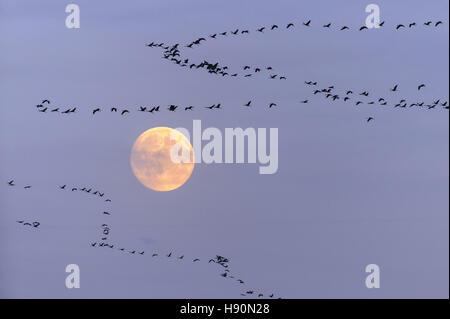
pixel 152 163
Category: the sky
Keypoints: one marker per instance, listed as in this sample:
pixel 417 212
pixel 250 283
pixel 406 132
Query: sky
pixel 347 193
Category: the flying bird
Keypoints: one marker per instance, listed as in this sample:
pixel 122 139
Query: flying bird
pixel 420 86
pixel 307 24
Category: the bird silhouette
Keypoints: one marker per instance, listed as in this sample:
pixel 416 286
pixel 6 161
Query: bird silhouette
pixel 11 183
pixel 420 86
pixel 95 111
pixel 307 24
pixel 394 89
pixel 327 25
pixel 370 119
pixel 124 112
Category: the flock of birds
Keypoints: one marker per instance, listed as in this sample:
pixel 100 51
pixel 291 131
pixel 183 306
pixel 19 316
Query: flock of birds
pixel 104 241
pixel 328 92
pixel 172 52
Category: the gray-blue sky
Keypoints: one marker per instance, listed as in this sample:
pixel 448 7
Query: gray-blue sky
pixel 346 194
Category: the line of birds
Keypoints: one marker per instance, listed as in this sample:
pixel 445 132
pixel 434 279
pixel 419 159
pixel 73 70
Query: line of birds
pixel 307 24
pixel 106 231
pixel 327 92
pixel 172 53
pixel 88 190
pixel 219 260
pixel 346 96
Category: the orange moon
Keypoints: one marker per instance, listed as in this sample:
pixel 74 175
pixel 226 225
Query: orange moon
pixel 152 163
